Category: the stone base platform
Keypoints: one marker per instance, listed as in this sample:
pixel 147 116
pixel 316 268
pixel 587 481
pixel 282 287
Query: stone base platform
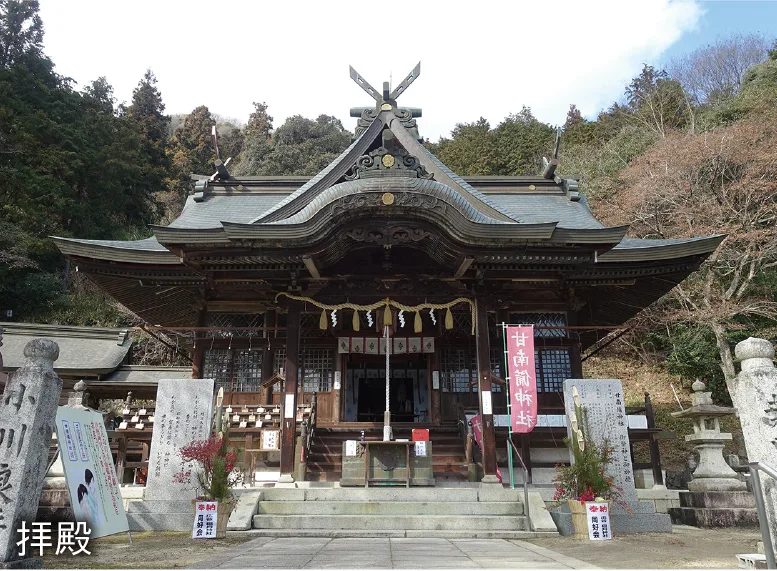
pixel 168 515
pixel 643 519
pixel 716 509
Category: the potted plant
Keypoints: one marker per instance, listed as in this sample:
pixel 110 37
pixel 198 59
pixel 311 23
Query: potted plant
pixel 585 480
pixel 216 475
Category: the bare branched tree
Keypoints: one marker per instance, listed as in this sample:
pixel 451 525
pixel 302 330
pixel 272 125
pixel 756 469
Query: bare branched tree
pixel 718 182
pixel 714 72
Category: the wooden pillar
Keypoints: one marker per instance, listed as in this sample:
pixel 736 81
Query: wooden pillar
pixel 267 359
pixel 338 391
pixel 575 360
pixel 484 387
pixel 288 422
pixel 198 356
pixel 434 394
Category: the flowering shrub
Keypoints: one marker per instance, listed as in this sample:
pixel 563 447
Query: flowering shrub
pixel 217 475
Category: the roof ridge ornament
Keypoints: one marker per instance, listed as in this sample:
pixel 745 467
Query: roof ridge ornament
pixel 383 162
pixel 385 101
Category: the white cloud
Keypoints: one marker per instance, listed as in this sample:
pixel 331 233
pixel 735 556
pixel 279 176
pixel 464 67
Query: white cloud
pixel 484 58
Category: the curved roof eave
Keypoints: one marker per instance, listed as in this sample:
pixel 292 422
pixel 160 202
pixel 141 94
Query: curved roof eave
pixel 642 250
pixel 138 251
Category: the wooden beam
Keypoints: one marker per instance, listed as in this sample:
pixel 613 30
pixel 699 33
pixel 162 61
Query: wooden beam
pixel 311 266
pixel 288 425
pixel 484 386
pixel 464 266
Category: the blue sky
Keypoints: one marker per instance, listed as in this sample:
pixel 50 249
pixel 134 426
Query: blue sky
pixel 487 58
pixel 723 18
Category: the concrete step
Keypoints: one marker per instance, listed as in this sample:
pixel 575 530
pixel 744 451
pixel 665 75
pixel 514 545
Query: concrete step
pixel 395 494
pixel 390 508
pixel 425 533
pixel 404 522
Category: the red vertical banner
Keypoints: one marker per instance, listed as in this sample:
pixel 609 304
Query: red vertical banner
pixel 523 380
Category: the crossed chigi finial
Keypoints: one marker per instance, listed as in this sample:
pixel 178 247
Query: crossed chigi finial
pixel 385 96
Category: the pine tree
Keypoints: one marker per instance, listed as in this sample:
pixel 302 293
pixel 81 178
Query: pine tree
pixel 146 114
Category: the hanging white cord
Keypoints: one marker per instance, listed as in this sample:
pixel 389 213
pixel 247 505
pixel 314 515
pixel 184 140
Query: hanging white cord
pixel 388 372
pixel 387 416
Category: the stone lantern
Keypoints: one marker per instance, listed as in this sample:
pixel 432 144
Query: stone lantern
pixel 712 473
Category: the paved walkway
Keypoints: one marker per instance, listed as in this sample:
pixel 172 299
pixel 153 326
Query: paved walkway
pixel 390 553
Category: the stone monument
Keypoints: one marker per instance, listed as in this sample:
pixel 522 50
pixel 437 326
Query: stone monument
pixel 716 496
pixel 754 394
pixel 27 411
pixel 184 412
pixel 605 410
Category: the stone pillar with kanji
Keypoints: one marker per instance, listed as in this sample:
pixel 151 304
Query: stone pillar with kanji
pixel 27 412
pixel 754 394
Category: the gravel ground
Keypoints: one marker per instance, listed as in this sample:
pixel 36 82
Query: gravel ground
pixel 685 548
pixel 149 550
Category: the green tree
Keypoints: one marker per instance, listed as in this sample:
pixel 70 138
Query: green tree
pixel 522 140
pixel 147 114
pixel 514 147
pixel 256 141
pixel 190 151
pixel 470 151
pixel 298 147
pixel 21 30
pixel 657 102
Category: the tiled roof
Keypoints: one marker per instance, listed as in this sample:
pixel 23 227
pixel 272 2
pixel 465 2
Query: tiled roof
pixel 82 350
pixel 539 208
pixel 217 208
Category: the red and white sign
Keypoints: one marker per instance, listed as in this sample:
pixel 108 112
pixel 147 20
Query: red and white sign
pixel 477 431
pixel 598 515
pixel 205 519
pixel 523 380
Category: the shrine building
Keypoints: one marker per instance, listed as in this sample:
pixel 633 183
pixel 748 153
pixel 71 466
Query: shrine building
pixel 281 288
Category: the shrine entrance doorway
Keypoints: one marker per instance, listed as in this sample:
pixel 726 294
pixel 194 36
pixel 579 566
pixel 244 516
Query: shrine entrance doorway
pixel 365 388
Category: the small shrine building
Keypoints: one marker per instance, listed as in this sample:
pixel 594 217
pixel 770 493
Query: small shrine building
pixel 298 276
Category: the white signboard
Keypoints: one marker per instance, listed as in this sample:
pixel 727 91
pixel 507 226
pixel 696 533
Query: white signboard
pixel 486 400
pixel 338 378
pixel 205 518
pixel 350 448
pixel 598 521
pixel 436 380
pixel 94 491
pixel 420 448
pixel 288 411
pixel 270 439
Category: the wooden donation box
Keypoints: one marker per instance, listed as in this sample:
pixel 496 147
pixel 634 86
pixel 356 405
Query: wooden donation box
pixel 389 463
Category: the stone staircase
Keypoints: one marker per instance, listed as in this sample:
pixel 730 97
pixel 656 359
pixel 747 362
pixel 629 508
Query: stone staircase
pixel 447 512
pixel 325 457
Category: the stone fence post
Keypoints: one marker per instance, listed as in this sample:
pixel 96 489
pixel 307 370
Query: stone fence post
pixel 754 394
pixel 27 412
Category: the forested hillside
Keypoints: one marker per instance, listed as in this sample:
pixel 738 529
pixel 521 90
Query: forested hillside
pixel 686 151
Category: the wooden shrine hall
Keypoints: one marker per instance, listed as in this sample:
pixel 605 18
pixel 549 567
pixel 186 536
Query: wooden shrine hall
pixel 285 285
